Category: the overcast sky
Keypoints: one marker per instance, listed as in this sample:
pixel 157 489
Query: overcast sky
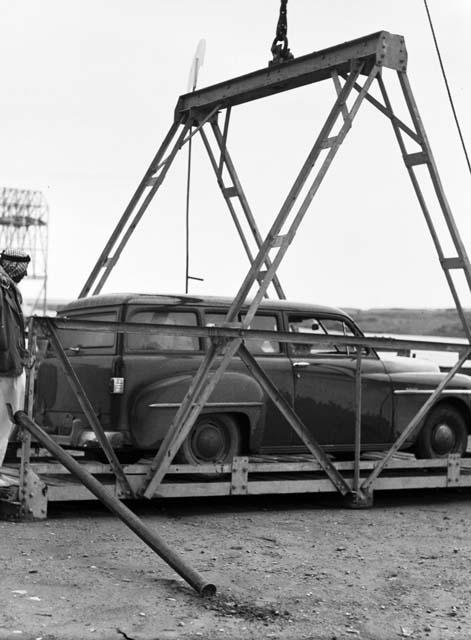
pixel 88 92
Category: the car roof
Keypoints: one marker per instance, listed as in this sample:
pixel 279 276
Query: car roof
pixel 117 299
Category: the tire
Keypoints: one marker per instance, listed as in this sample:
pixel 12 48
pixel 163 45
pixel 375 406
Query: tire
pixel 444 432
pixel 214 438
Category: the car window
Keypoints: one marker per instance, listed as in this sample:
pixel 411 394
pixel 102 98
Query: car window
pixel 214 319
pixel 260 346
pixel 161 342
pixel 261 322
pixel 313 325
pixel 93 339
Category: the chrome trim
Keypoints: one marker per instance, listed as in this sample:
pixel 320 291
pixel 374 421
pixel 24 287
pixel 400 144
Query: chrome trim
pixel 174 405
pixel 418 391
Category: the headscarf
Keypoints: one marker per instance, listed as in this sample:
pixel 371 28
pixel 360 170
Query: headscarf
pixel 15 263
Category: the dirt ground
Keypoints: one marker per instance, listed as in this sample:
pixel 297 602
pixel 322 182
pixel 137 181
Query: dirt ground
pixel 285 567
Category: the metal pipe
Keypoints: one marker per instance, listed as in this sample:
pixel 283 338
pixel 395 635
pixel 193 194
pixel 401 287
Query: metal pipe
pixel 71 324
pixel 118 508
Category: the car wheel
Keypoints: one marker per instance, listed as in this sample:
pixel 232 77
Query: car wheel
pixel 444 432
pixel 213 438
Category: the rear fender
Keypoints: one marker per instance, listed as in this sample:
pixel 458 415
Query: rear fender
pixel 154 407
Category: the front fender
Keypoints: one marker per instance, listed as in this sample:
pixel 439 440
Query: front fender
pixel 154 407
pixel 405 409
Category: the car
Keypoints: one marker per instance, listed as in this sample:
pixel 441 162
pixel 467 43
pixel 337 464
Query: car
pixel 136 382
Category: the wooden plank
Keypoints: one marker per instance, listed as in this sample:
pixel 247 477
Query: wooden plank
pixel 55 468
pixel 410 482
pixel 270 465
pixel 69 492
pixel 263 477
pixel 321 485
pixel 194 489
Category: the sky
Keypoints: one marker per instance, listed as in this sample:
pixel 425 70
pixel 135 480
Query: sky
pixel 88 93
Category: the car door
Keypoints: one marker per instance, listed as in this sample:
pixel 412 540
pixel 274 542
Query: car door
pixel 272 433
pixel 275 434
pixel 92 355
pixel 158 369
pixel 324 385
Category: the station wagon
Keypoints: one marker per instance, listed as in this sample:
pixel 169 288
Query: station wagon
pixel 135 383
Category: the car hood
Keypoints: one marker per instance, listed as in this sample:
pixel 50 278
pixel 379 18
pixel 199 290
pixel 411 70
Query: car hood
pixel 417 373
pixel 403 364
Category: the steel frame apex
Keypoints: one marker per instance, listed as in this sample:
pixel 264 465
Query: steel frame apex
pixel 382 48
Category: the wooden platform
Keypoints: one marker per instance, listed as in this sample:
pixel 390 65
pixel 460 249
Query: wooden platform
pixel 255 475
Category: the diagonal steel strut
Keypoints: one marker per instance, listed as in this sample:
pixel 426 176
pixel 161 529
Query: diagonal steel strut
pixel 204 383
pixel 50 330
pixel 293 419
pixel 414 423
pixel 151 181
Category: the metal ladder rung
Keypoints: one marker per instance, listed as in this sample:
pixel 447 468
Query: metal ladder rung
pixel 328 142
pixel 413 159
pixel 278 241
pixel 230 192
pixel 261 276
pixel 452 263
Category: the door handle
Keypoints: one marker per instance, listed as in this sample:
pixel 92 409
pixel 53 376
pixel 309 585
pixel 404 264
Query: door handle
pixel 301 363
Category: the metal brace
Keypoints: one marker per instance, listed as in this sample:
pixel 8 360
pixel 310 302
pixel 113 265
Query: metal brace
pixel 453 470
pixel 363 500
pixel 240 476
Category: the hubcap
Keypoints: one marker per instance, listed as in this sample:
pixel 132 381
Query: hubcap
pixel 208 442
pixel 443 439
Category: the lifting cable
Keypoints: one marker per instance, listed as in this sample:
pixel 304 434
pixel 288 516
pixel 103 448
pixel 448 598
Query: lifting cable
pixel 447 86
pixel 192 82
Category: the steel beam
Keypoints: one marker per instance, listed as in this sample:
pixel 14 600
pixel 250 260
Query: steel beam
pixel 381 49
pixel 388 113
pixel 358 406
pixel 443 202
pixel 376 342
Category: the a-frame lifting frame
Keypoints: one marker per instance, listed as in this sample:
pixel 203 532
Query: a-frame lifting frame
pixel 353 67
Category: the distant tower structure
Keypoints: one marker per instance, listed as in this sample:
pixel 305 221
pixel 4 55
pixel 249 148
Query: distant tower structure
pixel 24 225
